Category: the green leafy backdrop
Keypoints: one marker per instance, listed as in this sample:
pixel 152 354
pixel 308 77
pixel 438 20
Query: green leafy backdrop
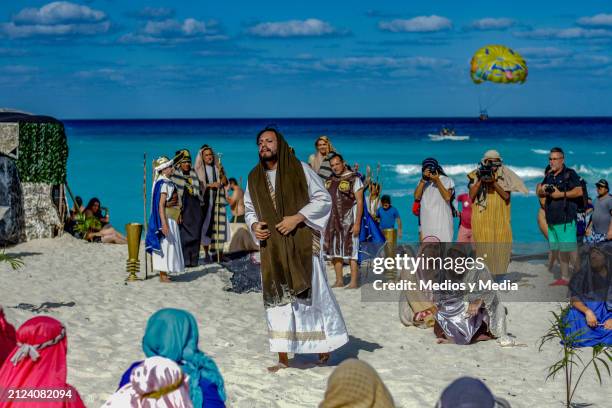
pixel 43 153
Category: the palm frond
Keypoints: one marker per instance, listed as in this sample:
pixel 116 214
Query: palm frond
pixel 14 261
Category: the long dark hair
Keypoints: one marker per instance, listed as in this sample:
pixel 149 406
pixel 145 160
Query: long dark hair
pixel 90 204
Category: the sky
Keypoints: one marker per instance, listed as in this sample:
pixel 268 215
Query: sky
pixel 235 59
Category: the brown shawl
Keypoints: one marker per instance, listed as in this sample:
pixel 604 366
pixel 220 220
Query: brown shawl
pixel 286 261
pixel 356 384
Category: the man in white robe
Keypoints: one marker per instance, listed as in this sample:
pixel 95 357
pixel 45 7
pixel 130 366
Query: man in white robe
pixel 303 317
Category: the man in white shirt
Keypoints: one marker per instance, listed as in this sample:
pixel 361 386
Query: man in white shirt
pixel 435 192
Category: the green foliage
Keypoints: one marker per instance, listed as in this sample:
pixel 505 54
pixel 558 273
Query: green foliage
pixel 86 224
pixel 601 357
pixel 43 153
pixel 13 261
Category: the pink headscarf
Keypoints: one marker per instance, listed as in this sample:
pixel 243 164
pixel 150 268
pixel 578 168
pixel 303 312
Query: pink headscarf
pixel 157 383
pixel 39 361
pixel 7 337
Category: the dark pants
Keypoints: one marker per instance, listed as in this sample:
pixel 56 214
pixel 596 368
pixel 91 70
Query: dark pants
pixel 191 229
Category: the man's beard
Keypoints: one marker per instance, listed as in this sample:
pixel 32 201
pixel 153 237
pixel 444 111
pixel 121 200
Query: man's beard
pixel 272 158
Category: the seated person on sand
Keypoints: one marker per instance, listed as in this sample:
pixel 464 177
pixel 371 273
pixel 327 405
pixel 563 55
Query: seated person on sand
pixel 355 383
pixel 173 334
pixel 464 316
pixel 589 321
pixel 156 382
pixel 416 307
pixel 38 361
pixel 77 208
pixel 106 234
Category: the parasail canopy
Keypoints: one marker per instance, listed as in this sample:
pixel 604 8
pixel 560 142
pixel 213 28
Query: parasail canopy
pixel 498 64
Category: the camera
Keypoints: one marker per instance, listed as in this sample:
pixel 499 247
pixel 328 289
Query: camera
pixel 433 170
pixel 549 189
pixel 485 172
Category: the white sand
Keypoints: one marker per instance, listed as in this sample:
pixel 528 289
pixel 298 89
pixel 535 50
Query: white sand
pixel 106 325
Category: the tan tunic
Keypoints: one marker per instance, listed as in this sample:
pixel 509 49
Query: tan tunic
pixel 492 232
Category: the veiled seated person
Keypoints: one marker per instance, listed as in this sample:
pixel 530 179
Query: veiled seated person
pixel 465 315
pixel 589 320
pixel 173 334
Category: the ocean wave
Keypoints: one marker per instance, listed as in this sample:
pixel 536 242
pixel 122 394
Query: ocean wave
pixel 546 151
pixel 595 172
pixel 439 138
pixel 600 153
pixel 453 170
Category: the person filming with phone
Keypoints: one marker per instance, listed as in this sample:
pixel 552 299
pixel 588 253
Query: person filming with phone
pixel 435 193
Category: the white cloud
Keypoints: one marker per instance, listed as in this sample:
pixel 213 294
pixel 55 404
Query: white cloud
pixel 189 27
pixel 564 33
pixel 421 24
pixel 57 19
pixel 172 31
pixel 543 52
pixel 58 12
pixel 489 23
pixel 18 69
pixel 106 74
pixel 572 61
pixel 154 13
pixel 26 31
pixel 384 62
pixel 599 20
pixel 311 27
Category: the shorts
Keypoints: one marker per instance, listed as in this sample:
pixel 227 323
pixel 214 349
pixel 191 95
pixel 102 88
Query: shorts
pixel 562 237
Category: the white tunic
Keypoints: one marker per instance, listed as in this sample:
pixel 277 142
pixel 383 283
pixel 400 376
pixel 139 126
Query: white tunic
pixel 301 326
pixel 171 258
pixel 436 213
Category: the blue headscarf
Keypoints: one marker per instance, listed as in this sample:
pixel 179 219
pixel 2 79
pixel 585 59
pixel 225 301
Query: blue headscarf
pixel 173 333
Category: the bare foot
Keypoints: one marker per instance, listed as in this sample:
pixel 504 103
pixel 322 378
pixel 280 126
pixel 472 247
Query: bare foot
pixel 277 367
pixel 323 358
pixel 338 285
pixel 443 341
pixel 163 277
pixel 352 286
pixel 483 337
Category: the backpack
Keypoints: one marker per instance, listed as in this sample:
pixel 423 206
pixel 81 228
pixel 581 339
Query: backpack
pixel 583 201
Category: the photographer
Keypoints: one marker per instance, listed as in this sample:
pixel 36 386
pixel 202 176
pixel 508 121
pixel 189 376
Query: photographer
pixel 435 192
pixel 490 188
pixel 560 187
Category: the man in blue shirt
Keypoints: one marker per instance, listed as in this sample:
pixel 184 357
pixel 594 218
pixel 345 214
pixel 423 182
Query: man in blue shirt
pixel 387 216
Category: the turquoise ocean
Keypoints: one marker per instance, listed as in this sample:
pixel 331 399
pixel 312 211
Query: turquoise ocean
pixel 106 156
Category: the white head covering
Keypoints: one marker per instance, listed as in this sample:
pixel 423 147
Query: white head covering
pixel 162 162
pixel 157 383
pixel 491 154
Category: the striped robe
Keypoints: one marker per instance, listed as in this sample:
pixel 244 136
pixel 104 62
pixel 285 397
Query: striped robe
pixel 215 230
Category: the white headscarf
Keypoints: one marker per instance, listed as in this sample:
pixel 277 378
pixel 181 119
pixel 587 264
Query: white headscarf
pixel 157 383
